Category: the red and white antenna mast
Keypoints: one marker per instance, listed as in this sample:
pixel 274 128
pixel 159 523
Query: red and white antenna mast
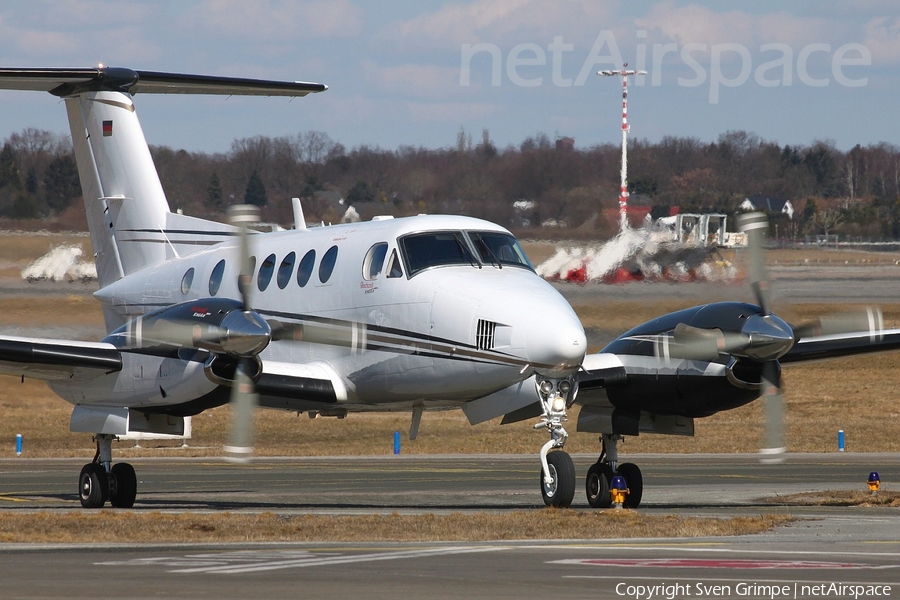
pixel 624 72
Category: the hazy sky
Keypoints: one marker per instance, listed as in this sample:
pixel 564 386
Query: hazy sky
pixel 414 72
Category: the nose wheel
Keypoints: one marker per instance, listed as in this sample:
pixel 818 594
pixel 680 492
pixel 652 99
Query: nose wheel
pixel 559 491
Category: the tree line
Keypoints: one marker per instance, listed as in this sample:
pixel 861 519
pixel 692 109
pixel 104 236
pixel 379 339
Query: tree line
pixel 539 182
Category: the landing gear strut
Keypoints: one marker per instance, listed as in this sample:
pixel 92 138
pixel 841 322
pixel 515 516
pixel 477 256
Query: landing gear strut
pixel 557 468
pixel 600 475
pixel 100 481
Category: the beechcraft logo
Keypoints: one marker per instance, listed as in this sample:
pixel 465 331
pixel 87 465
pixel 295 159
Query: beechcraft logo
pixel 107 128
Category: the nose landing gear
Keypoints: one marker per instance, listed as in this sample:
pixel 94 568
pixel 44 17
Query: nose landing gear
pixel 557 468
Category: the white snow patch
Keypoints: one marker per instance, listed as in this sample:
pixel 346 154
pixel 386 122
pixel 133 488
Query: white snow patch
pixel 61 263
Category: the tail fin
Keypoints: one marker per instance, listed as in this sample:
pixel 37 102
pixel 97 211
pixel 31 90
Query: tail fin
pixel 124 201
pixel 125 204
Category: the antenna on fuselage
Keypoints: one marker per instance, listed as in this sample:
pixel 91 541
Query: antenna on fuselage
pixel 299 219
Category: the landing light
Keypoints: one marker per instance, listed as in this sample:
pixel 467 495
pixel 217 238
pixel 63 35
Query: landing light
pixel 874 482
pixel 546 387
pixel 618 491
pixel 564 387
pixel 559 404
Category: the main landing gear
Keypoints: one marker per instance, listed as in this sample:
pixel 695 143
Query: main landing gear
pixel 557 469
pixel 600 475
pixel 100 480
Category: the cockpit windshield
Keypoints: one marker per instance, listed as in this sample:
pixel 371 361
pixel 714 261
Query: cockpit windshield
pixel 499 248
pixel 442 248
pixel 435 248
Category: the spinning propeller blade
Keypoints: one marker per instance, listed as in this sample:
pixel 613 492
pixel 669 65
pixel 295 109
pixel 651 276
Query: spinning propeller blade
pixel 694 343
pixel 773 403
pixel 755 225
pixel 243 395
pixel 242 215
pixel 869 319
pixel 243 404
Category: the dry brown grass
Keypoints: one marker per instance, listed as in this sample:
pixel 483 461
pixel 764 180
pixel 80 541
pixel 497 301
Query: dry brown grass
pixel 118 526
pixel 40 311
pixel 18 248
pixel 839 498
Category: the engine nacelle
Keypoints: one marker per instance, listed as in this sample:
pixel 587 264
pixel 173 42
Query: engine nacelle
pixel 219 325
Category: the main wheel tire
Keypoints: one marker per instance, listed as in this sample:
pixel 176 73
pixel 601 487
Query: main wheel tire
pixel 93 486
pixel 596 485
pixel 561 492
pixel 634 480
pixel 125 485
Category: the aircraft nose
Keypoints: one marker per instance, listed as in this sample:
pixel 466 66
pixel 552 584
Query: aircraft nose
pixel 556 341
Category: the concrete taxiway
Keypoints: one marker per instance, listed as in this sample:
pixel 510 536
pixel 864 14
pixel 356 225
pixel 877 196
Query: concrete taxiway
pixel 824 547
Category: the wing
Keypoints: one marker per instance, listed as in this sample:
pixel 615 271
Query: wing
pixel 57 359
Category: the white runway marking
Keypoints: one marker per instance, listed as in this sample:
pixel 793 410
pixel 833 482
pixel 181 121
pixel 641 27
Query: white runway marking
pixel 251 562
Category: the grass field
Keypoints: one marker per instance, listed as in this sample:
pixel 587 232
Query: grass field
pixel 133 526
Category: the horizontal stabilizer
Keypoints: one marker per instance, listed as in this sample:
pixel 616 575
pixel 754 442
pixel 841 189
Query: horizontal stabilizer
pixel 69 82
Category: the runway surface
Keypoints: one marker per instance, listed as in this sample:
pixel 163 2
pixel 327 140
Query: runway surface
pixel 835 545
pixel 729 483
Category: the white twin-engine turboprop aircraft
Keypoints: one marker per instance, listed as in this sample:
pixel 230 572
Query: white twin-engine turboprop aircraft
pixel 418 313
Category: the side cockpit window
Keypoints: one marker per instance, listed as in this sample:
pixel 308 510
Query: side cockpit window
pixel 395 269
